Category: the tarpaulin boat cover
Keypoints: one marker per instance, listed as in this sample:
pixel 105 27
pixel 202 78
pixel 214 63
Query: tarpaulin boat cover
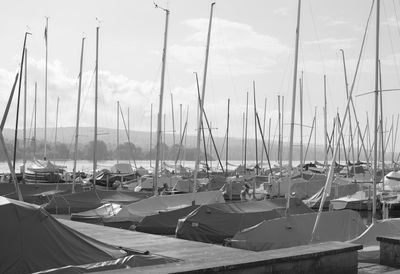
pixel 296 230
pixel 82 201
pixel 371 247
pixel 216 222
pixel 122 168
pixel 301 187
pixel 163 223
pixel 336 192
pixel 32 240
pixel 44 166
pixel 36 193
pixel 392 181
pixel 137 211
pixel 95 215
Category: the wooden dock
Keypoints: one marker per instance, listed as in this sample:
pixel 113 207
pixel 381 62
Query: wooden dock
pixel 197 257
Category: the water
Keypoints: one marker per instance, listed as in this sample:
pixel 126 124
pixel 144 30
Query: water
pixel 87 166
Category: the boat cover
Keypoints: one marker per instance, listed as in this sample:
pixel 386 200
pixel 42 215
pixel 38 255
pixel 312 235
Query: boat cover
pixel 122 168
pixel 135 212
pixel 371 247
pixel 44 166
pixel 82 201
pixel 392 181
pixel 95 215
pixel 336 191
pixel 164 223
pixel 32 240
pixel 216 222
pixel 296 230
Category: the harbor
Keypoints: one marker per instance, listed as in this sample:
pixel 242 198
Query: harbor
pixel 200 137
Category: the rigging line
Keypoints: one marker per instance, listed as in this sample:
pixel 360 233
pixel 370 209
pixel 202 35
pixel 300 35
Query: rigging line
pixel 284 72
pixel 316 34
pixel 391 44
pixel 397 19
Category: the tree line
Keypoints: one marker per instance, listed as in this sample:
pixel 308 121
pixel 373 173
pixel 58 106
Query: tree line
pixel 125 151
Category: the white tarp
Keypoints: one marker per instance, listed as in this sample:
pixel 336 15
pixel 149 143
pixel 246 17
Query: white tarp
pixel 137 211
pixel 44 166
pixel 122 168
pixel 392 181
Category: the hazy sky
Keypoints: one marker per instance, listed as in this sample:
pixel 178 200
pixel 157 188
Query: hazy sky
pixel 251 40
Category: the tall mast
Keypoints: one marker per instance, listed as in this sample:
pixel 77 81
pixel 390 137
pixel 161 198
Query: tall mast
pixel 34 127
pixel 200 122
pixel 243 125
pixel 282 115
pixel 159 128
pixel 255 124
pixel 95 108
pixel 279 144
pixel 180 128
pixel 376 112
pixel 129 125
pixel 151 131
pixel 301 125
pixel 263 130
pixel 325 127
pixel 55 134
pixel 173 119
pixel 245 133
pixel 25 97
pixel 117 132
pixel 227 138
pixel 77 116
pixel 18 100
pixel 46 33
pixel 293 106
pixel 315 135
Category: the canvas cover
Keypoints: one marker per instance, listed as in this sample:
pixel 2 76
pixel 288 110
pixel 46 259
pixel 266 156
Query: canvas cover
pixel 95 215
pixel 44 166
pixel 337 190
pixel 82 201
pixel 36 193
pixel 135 212
pixel 165 222
pixel 122 168
pixel 32 240
pixel 216 222
pixel 392 181
pixel 296 230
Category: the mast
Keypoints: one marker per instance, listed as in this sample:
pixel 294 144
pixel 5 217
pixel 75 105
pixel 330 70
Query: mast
pixel 3 144
pixel 117 132
pixel 173 118
pixel 255 124
pixel 45 89
pixel 77 116
pixel 95 108
pixel 180 130
pixel 18 100
pixel 245 133
pixel 325 127
pixel 263 130
pixel 315 135
pixel 151 131
pixel 376 112
pixel 55 134
pixel 243 124
pixel 25 97
pixel 279 144
pixel 293 107
pixel 301 125
pixel 227 138
pixel 159 128
pixel 34 128
pixel 200 122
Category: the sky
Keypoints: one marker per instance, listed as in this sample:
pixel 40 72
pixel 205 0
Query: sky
pixel 251 40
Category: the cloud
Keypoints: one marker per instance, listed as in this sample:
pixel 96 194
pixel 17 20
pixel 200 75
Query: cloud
pixel 334 43
pixel 236 48
pixel 283 11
